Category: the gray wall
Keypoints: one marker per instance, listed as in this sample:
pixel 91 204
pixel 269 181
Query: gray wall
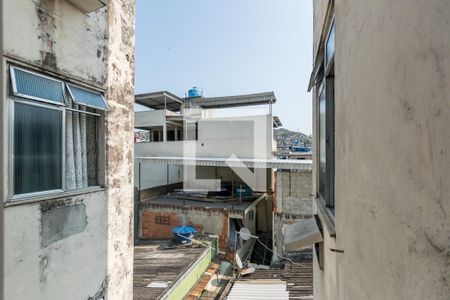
pixel 392 70
pixel 76 245
pixel 293 203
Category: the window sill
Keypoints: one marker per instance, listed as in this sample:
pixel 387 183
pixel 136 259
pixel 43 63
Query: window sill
pixel 325 216
pixel 34 199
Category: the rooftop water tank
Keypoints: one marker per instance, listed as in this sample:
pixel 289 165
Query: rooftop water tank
pixel 195 92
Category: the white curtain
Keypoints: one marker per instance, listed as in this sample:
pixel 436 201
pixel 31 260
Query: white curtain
pixel 76 158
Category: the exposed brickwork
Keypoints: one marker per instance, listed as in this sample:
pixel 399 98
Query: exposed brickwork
pixel 152 229
pixel 157 223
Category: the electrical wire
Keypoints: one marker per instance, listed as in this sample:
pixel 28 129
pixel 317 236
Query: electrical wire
pixel 285 258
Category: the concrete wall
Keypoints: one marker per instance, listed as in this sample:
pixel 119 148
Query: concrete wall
pixel 293 192
pixel 293 202
pixel 245 137
pixel 392 133
pixel 55 35
pixel 80 243
pixel 56 245
pixel 157 222
pixel 120 148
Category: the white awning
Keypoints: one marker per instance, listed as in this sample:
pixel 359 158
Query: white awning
pixel 287 164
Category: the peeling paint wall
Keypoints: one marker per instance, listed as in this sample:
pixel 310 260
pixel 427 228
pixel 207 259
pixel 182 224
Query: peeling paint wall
pixel 119 147
pixel 293 202
pixel 157 222
pixel 56 245
pixel 58 37
pixel 392 132
pixel 294 193
pixel 80 244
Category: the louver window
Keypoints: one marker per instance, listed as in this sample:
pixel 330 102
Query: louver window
pixel 86 97
pixel 27 84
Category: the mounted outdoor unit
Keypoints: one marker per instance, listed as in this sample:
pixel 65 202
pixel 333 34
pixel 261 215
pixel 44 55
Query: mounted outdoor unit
pixel 88 6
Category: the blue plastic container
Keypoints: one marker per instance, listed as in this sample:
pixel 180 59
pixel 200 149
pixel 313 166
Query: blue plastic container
pixel 195 92
pixel 183 234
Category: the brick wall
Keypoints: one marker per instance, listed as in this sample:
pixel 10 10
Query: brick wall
pixel 294 192
pixel 158 225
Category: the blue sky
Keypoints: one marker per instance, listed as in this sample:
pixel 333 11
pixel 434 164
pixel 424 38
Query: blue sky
pixel 227 48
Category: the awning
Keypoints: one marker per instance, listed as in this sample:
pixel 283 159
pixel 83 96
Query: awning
pixel 285 164
pixel 301 234
pixel 235 101
pixel 88 6
pixel 160 100
pixel 313 80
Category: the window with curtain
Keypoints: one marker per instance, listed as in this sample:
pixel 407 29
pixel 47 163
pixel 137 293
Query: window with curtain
pixel 56 134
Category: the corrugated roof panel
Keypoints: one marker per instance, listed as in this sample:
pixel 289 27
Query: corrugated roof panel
pixel 235 101
pixel 259 290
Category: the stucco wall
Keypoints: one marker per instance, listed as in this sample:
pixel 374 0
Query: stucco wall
pixel 392 133
pixel 56 245
pixel 157 222
pixel 80 244
pixel 245 137
pixel 55 35
pixel 120 148
pixel 294 193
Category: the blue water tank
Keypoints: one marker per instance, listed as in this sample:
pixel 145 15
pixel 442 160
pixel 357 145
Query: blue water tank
pixel 195 92
pixel 183 234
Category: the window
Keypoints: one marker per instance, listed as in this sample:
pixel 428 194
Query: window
pixel 55 134
pixel 325 109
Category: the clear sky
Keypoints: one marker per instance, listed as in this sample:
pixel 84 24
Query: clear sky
pixel 227 48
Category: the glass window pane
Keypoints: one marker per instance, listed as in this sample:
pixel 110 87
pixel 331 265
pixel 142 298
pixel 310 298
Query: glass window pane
pixel 91 149
pixel 36 86
pixel 37 148
pixel 330 43
pixel 86 97
pixel 322 142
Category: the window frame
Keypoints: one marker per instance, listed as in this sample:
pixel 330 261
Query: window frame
pixel 326 85
pixel 14 97
pixel 23 96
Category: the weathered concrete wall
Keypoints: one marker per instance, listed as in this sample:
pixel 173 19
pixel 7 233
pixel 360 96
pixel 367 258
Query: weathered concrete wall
pixel 119 147
pixel 56 245
pixel 392 133
pixel 157 222
pixel 81 244
pixel 294 193
pixel 293 202
pixel 56 36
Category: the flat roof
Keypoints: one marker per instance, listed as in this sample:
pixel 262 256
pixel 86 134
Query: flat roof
pixel 160 100
pixel 153 263
pixel 235 101
pixel 208 203
pixel 288 164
